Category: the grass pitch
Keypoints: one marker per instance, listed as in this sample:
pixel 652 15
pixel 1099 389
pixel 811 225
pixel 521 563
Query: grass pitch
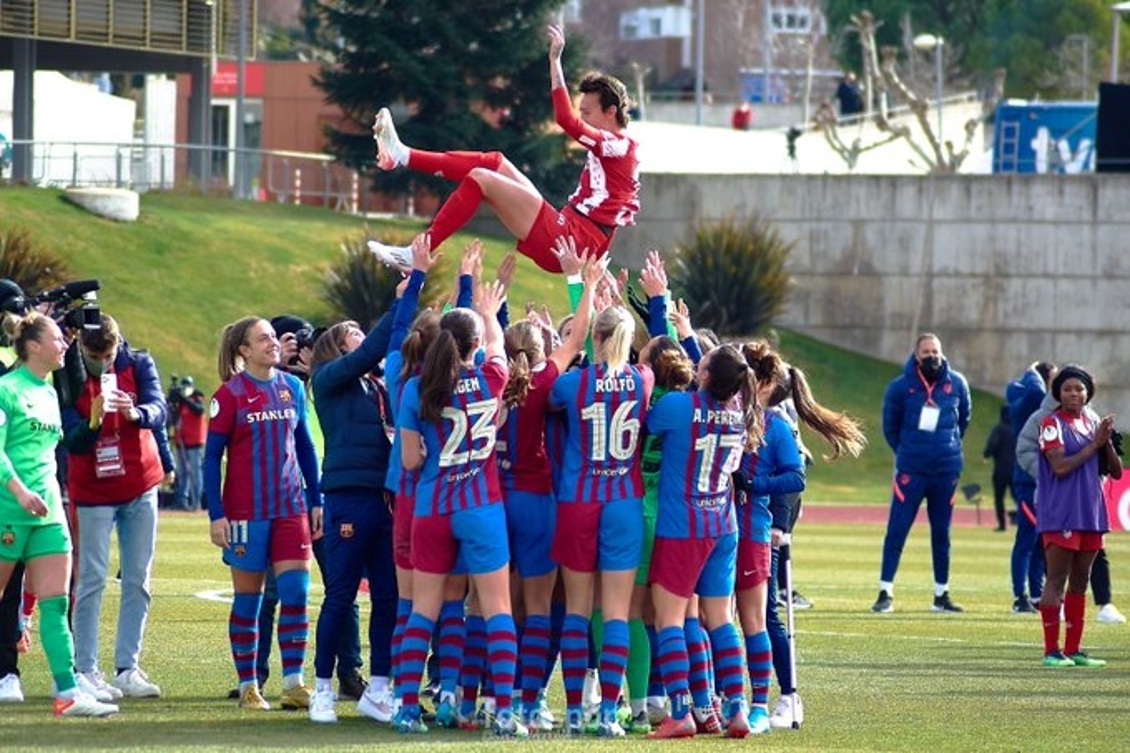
pixel 907 681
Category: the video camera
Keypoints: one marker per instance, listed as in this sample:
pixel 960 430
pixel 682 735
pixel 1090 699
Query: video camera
pixel 73 305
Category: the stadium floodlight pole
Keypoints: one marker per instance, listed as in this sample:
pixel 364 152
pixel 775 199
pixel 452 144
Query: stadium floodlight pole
pixel 240 103
pixel 1116 12
pixel 699 58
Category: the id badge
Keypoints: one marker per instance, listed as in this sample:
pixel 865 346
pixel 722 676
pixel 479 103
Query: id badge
pixel 928 419
pixel 108 458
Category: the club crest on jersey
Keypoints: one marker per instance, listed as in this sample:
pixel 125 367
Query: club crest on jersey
pixel 904 479
pixel 8 538
pixel 239 550
pixel 947 388
pixel 345 530
pixel 214 408
pixel 284 396
pixel 1050 433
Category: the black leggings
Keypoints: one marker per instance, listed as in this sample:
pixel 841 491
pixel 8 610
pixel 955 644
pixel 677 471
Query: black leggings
pixel 10 622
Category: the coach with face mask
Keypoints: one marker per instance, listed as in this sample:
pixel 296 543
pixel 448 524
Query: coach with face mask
pixel 926 411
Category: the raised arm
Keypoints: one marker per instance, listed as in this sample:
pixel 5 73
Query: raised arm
pixel 593 271
pixel 563 112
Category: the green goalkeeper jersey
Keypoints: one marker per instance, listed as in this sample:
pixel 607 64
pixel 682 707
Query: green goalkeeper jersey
pixel 30 428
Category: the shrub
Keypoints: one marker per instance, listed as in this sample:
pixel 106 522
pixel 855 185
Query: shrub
pixel 360 288
pixel 732 275
pixel 27 264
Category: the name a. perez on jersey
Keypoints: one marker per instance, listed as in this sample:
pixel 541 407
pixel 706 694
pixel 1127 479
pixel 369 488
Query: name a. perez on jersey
pixel 257 417
pixel 615 384
pixel 724 417
pixel 464 386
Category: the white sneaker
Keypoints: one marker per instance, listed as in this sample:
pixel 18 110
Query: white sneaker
pixel 590 695
pixel 133 683
pixel 656 710
pixel 377 705
pixel 539 721
pixel 397 257
pixel 94 685
pixel 322 707
pixel 83 704
pixel 788 709
pixel 1109 615
pixel 391 154
pixel 10 689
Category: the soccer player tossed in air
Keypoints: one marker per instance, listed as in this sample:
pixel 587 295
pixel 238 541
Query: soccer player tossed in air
pixel 607 195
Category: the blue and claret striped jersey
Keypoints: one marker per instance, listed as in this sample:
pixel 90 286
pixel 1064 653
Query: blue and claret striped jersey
pixel 604 414
pixel 702 446
pixel 263 480
pixel 460 470
pixel 522 462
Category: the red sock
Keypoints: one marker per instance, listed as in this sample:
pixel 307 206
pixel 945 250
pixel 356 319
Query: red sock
pixel 453 166
pixel 1050 617
pixel 455 212
pixel 1074 610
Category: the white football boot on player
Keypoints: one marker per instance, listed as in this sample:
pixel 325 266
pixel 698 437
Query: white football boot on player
pixel 391 154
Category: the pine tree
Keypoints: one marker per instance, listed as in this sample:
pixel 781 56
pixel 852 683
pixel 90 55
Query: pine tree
pixel 445 69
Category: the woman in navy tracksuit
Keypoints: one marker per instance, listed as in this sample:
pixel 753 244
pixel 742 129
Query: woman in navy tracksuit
pixel 357 422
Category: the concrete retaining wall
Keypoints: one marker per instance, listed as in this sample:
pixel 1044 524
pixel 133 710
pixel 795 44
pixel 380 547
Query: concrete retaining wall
pixel 1007 270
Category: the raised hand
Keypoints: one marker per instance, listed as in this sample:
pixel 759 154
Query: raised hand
pixel 565 249
pixel 422 257
pixel 471 261
pixel 556 37
pixel 680 317
pixel 488 298
pixel 505 273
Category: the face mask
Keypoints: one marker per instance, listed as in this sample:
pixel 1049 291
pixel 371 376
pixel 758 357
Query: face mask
pixel 93 368
pixel 930 366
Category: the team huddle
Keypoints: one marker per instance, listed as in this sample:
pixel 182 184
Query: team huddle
pixel 643 478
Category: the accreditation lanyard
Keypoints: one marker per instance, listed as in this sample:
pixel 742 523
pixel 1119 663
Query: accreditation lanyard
pixel 928 418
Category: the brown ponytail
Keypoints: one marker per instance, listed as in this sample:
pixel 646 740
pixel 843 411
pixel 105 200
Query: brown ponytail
pixel 415 346
pixel 839 430
pixel 524 350
pixel 457 332
pixel 233 337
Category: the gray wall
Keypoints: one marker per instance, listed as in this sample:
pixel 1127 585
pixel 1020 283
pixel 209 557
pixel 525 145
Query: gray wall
pixel 1006 269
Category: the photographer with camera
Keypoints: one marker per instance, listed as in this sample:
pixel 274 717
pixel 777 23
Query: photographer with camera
pixel 113 473
pixel 186 412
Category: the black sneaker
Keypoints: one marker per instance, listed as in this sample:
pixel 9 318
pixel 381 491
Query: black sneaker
pixel 799 602
pixel 352 686
pixel 943 604
pixel 884 603
pixel 1023 606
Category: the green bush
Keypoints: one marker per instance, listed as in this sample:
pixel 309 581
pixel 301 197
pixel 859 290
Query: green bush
pixel 732 275
pixel 27 264
pixel 360 288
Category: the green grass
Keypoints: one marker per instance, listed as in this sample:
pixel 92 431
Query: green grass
pixel 192 264
pixel 855 383
pixel 907 681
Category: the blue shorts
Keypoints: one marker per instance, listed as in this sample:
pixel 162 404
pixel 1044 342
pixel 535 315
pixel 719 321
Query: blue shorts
pixel 255 544
pixel 530 522
pixel 686 567
pixel 466 541
pixel 602 537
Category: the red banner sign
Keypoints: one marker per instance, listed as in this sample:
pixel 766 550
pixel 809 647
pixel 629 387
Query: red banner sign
pixel 224 81
pixel 1117 495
